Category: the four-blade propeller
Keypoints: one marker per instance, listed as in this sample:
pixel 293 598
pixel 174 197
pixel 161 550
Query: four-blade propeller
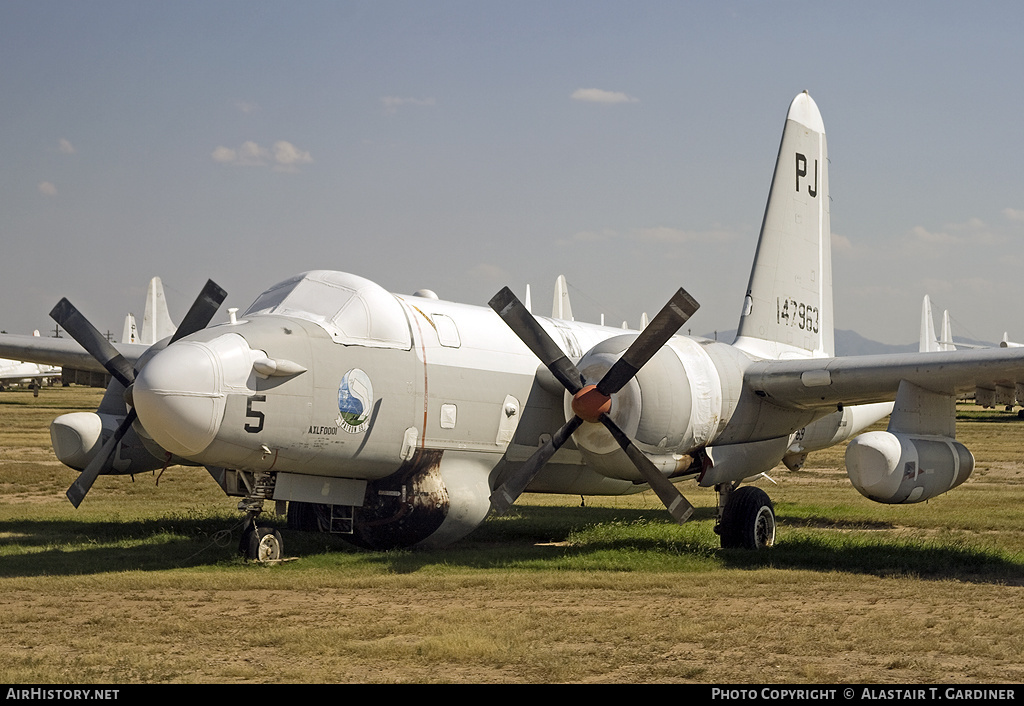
pixel 80 329
pixel 591 403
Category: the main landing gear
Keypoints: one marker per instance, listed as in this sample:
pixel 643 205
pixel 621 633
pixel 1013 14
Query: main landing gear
pixel 746 517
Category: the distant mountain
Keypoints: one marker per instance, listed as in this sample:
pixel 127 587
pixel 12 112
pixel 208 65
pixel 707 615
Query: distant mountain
pixel 852 343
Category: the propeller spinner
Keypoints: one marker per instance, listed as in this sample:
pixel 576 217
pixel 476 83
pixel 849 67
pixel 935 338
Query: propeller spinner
pixel 591 403
pixel 80 329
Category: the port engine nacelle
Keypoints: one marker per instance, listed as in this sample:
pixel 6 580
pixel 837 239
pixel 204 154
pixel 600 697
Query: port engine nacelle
pixel 901 468
pixel 78 436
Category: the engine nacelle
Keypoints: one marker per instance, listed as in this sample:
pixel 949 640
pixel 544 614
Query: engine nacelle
pixel 77 437
pixel 901 468
pixel 659 409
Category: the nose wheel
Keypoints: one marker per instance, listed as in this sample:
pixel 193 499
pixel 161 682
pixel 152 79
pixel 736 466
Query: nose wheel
pixel 260 544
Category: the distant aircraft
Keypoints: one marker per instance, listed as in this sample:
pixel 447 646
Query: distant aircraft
pixel 60 358
pixel 156 321
pixel 997 394
pixel 15 372
pixel 929 341
pixel 399 420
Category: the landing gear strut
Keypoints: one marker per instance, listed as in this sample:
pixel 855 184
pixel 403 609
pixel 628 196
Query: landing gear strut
pixel 262 544
pixel 746 517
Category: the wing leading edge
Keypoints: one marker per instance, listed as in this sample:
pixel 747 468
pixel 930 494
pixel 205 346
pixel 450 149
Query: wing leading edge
pixel 823 382
pixel 64 352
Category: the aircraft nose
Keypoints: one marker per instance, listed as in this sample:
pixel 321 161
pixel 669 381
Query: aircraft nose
pixel 179 398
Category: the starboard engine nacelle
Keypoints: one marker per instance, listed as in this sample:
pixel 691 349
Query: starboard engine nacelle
pixel 659 408
pixel 903 468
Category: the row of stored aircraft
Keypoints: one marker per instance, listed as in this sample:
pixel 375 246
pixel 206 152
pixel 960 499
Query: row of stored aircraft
pixel 19 372
pixel 404 420
pixel 998 395
pixel 157 325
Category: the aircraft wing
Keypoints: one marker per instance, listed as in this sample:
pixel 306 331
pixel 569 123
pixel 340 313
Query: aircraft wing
pixel 819 382
pixel 64 352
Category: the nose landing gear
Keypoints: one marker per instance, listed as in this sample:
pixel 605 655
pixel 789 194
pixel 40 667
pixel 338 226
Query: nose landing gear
pixel 260 544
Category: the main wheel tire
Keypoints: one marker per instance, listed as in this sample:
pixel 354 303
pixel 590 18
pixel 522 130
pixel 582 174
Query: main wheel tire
pixel 264 545
pixel 748 520
pixel 302 517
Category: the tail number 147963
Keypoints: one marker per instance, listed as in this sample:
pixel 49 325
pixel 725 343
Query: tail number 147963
pixel 790 312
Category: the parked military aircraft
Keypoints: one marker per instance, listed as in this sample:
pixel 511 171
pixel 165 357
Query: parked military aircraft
pixel 929 341
pixel 16 372
pixel 156 321
pixel 404 420
pixel 999 394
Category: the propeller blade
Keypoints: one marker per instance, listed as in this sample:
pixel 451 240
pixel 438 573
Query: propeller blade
pixel 72 321
pixel 511 489
pixel 202 310
pixel 661 328
pixel 678 507
pixel 76 493
pixel 530 332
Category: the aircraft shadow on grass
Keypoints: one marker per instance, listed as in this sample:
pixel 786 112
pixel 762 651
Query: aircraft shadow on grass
pixel 68 548
pixel 537 535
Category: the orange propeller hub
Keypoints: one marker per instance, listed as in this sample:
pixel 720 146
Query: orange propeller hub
pixel 590 403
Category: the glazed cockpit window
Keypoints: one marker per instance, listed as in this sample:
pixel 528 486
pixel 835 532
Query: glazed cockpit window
pixel 354 310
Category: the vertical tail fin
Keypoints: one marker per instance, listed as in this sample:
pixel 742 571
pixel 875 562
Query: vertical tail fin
pixel 131 331
pixel 928 340
pixel 946 344
pixel 156 322
pixel 561 309
pixel 787 312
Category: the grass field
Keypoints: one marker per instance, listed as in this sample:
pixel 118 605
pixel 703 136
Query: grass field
pixel 143 584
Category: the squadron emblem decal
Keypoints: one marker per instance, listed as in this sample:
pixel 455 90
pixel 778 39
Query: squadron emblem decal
pixel 355 400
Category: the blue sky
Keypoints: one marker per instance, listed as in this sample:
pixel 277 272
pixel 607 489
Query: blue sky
pixel 463 146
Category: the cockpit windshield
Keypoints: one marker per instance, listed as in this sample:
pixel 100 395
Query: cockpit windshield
pixel 354 310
